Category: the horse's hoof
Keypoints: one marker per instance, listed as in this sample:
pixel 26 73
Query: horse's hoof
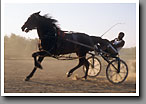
pixel 68 74
pixel 84 78
pixel 27 79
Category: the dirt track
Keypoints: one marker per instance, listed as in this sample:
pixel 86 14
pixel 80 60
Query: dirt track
pixel 52 79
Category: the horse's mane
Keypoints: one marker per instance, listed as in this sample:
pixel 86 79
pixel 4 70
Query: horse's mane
pixel 49 20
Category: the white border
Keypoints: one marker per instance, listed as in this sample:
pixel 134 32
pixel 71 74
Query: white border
pixel 70 1
pixel 2 49
pixel 70 94
pixel 137 48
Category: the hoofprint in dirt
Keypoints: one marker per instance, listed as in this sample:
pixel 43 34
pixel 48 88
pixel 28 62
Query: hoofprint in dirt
pixel 52 79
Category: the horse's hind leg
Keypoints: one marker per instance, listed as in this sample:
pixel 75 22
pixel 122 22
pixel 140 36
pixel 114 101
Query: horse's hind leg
pixel 40 59
pixel 81 62
pixel 86 63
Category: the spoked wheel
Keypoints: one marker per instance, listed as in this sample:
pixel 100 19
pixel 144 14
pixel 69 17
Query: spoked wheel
pixel 94 67
pixel 117 71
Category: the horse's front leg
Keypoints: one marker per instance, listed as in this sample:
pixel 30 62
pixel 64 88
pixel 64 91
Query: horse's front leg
pixel 37 62
pixel 41 55
pixel 40 59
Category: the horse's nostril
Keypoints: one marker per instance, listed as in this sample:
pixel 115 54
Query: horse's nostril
pixel 26 30
pixel 22 28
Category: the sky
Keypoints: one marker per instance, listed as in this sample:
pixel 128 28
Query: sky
pixel 90 18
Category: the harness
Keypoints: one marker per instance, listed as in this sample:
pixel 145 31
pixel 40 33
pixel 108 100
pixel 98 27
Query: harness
pixel 61 34
pixel 58 33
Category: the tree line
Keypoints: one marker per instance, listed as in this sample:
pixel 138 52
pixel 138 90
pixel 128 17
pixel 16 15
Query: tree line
pixel 16 46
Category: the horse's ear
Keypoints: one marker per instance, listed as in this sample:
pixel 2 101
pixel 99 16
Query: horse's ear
pixel 38 12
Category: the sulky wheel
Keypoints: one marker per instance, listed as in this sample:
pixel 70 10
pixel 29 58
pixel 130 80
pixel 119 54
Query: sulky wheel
pixel 94 67
pixel 117 71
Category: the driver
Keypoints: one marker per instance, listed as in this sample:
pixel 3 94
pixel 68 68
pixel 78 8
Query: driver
pixel 118 43
pixel 112 46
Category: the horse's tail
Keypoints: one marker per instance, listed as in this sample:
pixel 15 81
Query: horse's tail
pixel 100 42
pixel 96 40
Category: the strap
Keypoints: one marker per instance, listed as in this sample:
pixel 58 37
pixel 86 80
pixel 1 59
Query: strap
pixel 74 37
pixel 60 33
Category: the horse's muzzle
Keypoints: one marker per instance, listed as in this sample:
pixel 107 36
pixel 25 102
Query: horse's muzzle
pixel 23 28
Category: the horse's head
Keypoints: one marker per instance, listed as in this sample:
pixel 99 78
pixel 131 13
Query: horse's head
pixel 31 22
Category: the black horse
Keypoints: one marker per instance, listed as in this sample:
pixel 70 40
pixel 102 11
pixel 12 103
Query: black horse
pixel 54 42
